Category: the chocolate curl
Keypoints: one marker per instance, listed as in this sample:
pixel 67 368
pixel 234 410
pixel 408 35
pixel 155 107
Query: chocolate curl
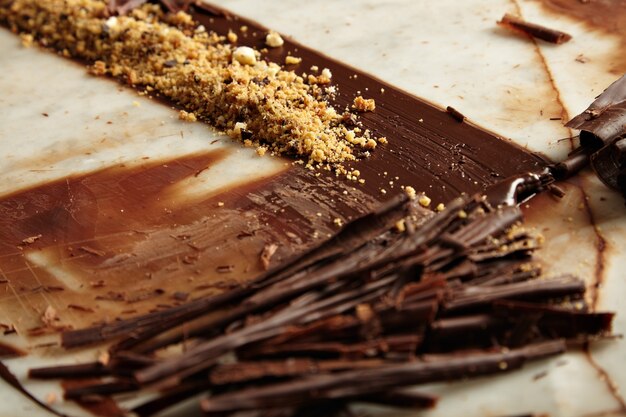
pixel 602 129
pixel 605 119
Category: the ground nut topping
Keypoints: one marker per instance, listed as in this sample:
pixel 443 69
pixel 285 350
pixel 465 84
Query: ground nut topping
pixel 211 79
pixel 274 40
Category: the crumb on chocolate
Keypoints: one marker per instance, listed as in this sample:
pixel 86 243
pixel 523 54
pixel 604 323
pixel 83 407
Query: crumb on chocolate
pixel 424 200
pixel 274 40
pixel 364 105
pixel 186 116
pixel 292 60
pixel 410 192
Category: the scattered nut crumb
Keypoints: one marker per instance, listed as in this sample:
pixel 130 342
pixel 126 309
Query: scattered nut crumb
pixel 440 207
pixel 220 204
pixel 292 60
pixel 104 357
pixel 410 192
pixel 261 150
pixel 27 40
pixel 364 105
pixel 274 40
pixel 338 222
pixel 212 79
pixel 187 116
pixel 232 36
pixel 326 73
pixel 400 225
pixel 267 253
pixel 31 239
pixel 49 316
pixel 244 55
pixel 424 200
pixel 51 398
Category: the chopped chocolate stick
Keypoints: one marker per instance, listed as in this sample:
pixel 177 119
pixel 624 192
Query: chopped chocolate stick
pixel 171 397
pixel 557 321
pixel 402 398
pixel 456 115
pixel 472 296
pixel 368 298
pixel 536 31
pixel 205 354
pixel 396 343
pixel 83 370
pixel 249 371
pixel 353 234
pixel 161 319
pixel 100 389
pixel 576 160
pixel 362 382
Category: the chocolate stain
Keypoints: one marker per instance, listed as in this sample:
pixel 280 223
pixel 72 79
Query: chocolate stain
pixel 601 243
pixel 606 16
pixel 599 277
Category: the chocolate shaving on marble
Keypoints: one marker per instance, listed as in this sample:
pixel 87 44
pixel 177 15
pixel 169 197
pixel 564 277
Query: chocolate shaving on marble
pixel 532 29
pixel 358 318
pixel 603 135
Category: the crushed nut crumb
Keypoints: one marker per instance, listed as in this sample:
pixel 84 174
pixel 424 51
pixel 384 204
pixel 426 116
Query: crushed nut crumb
pixel 292 60
pixel 424 200
pixel 244 55
pixel 410 192
pixel 274 40
pixel 363 104
pixel 186 116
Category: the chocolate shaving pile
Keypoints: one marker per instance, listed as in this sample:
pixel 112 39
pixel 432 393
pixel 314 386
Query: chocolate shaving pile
pixel 359 318
pixel 603 135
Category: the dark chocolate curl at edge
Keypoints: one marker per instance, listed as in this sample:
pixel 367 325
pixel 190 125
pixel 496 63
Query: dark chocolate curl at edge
pixel 602 129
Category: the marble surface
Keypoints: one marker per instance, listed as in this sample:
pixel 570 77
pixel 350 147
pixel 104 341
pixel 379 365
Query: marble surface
pixel 448 52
